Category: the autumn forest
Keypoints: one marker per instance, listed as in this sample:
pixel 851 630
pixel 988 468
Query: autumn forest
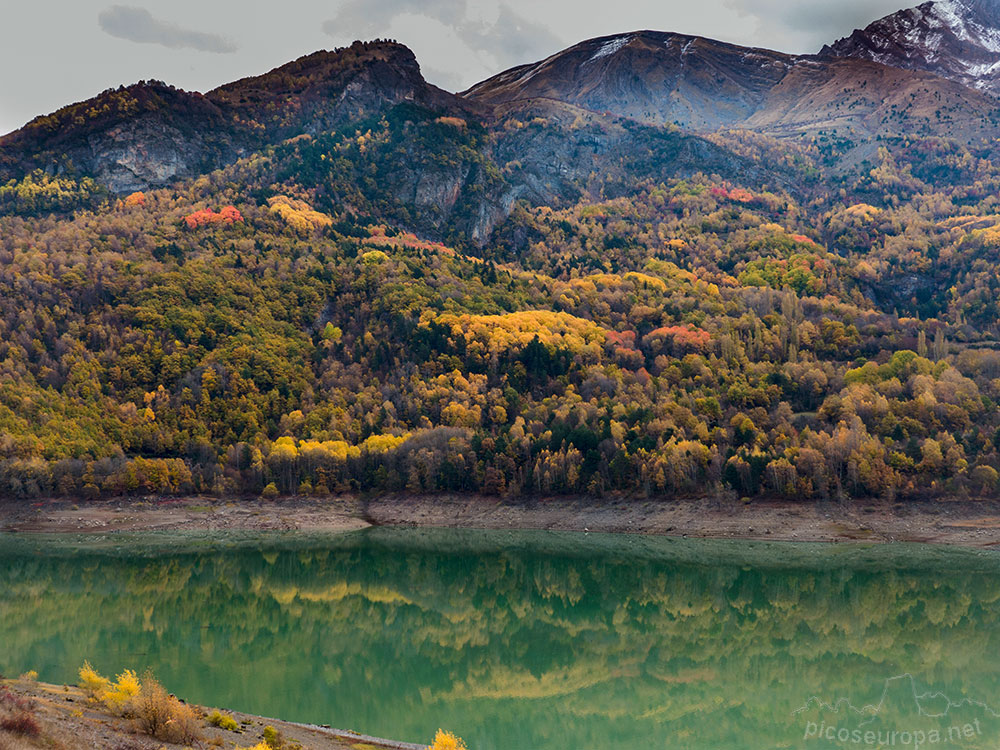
pixel 295 323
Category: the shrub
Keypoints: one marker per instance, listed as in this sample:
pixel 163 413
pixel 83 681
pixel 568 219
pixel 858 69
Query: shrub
pixel 17 715
pixel 273 738
pixel 30 676
pixel 23 723
pixel 270 492
pixel 151 707
pixel 447 741
pixel 184 725
pixel 92 683
pixel 11 702
pixel 117 696
pixel 161 715
pixel 223 721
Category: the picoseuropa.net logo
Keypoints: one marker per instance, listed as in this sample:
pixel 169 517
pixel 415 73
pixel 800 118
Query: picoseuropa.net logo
pixel 903 717
pixel 891 738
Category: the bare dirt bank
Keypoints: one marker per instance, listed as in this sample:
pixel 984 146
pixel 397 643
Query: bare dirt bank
pixel 967 523
pixel 199 513
pixel 68 721
pixel 961 522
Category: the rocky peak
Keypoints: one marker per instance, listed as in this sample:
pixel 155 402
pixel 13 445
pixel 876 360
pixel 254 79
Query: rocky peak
pixel 955 39
pixel 650 76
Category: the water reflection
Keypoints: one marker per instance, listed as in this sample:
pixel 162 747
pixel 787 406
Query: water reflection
pixel 527 640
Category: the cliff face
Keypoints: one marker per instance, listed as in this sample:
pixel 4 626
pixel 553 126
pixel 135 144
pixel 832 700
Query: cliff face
pixel 138 154
pixel 143 135
pixel 561 148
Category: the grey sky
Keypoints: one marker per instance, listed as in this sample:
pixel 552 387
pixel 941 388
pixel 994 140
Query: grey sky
pixel 138 25
pixel 55 52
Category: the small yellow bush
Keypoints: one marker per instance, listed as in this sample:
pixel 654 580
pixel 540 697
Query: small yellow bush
pixel 273 739
pixel 124 689
pixel 30 676
pixel 223 721
pixel 447 741
pixel 92 683
pixel 115 695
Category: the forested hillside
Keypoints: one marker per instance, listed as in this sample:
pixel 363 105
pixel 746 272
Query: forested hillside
pixel 543 300
pixel 275 324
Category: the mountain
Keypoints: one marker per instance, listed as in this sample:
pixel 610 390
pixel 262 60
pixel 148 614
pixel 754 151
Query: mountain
pixel 648 76
pixel 466 178
pixel 352 281
pixel 150 133
pixel 324 90
pixel 702 84
pixel 955 39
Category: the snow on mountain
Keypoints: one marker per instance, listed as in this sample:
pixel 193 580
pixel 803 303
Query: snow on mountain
pixel 955 39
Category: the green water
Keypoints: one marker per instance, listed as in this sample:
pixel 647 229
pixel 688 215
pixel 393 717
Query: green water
pixel 529 641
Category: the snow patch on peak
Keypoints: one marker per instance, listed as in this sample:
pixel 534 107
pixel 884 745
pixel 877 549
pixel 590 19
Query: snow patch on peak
pixel 611 47
pixel 956 16
pixel 949 13
pixel 982 71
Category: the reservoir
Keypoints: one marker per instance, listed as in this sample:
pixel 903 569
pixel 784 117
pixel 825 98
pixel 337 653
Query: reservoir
pixel 529 640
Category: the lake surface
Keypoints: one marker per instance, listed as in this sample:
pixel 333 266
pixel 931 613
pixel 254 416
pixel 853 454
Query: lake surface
pixel 531 640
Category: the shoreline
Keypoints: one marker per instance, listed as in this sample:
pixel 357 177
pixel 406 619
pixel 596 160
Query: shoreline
pixel 969 523
pixel 67 718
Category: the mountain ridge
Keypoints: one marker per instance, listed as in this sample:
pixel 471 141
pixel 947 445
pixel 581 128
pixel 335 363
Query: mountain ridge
pixel 955 39
pixel 612 107
pixel 703 84
pixel 150 133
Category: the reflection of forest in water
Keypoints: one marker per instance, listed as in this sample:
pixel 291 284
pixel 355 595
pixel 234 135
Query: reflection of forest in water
pixel 532 641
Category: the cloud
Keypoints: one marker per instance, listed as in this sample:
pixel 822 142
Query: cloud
pixel 513 39
pixel 138 25
pixel 482 39
pixel 820 21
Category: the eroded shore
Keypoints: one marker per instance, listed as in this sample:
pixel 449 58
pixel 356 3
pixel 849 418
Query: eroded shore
pixel 971 523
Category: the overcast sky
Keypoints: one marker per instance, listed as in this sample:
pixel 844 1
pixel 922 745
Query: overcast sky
pixel 54 52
